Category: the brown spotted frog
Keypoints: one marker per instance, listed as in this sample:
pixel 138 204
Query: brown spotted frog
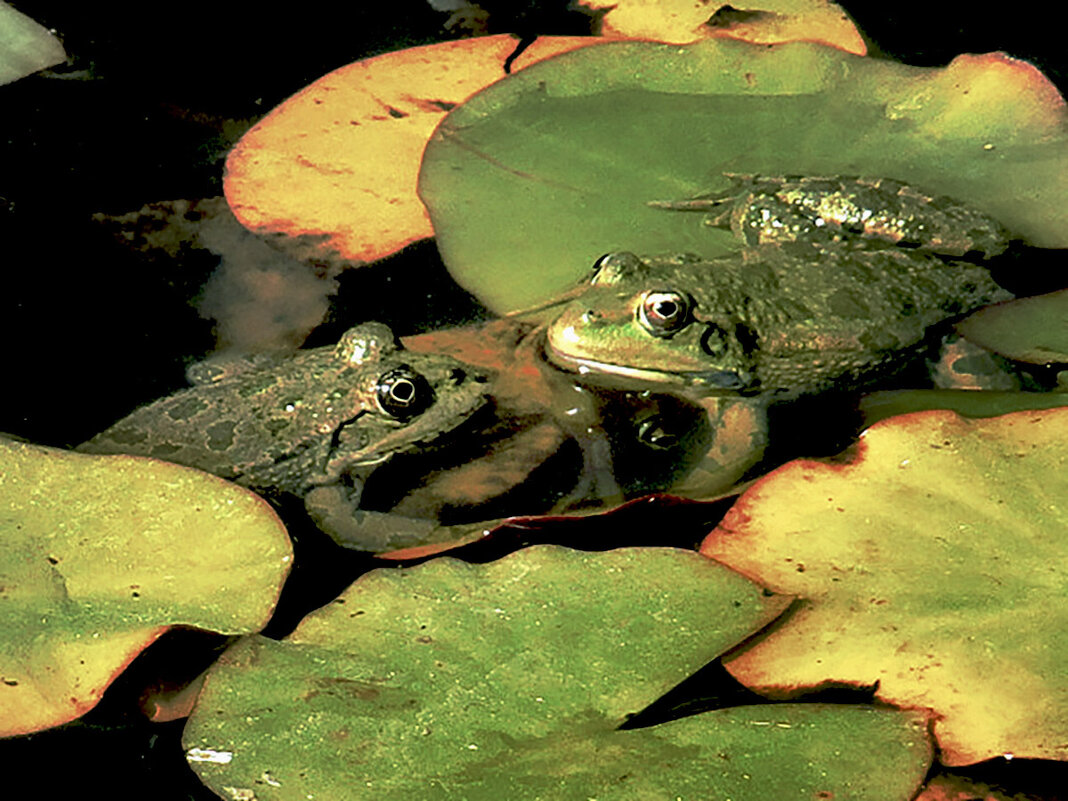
pixel 313 423
pixel 838 280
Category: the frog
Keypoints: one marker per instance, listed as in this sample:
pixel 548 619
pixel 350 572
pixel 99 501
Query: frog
pixel 768 209
pixel 781 319
pixel 826 292
pixel 313 423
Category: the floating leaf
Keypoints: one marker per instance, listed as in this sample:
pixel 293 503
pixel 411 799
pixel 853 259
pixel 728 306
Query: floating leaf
pixel 508 680
pixel 102 554
pixel 1031 330
pixel 970 403
pixel 535 177
pixel 334 168
pixel 766 22
pixel 934 565
pixel 25 46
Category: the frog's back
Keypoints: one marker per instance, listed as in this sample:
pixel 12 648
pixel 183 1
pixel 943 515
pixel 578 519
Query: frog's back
pixel 236 427
pixel 847 316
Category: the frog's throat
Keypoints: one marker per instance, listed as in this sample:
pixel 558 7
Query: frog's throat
pixel 723 380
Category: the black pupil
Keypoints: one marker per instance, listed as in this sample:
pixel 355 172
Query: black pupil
pixel 402 391
pixel 666 309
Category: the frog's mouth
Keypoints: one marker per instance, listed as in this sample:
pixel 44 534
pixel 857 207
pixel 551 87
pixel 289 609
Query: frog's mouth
pixel 724 380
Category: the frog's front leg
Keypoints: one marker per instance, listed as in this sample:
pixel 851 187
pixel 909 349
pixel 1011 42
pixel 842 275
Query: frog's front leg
pixel 335 508
pixel 740 427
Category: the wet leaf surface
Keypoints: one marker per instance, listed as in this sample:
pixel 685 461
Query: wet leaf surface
pixel 933 565
pixel 509 679
pixel 102 555
pixel 534 178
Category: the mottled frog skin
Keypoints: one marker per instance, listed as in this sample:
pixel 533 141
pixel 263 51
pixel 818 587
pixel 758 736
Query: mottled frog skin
pixel 797 310
pixel 761 210
pixel 305 420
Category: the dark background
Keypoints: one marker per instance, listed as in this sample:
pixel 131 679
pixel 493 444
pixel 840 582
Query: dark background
pixel 141 114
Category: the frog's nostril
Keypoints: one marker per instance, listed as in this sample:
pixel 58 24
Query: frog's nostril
pixel 457 375
pixel 590 316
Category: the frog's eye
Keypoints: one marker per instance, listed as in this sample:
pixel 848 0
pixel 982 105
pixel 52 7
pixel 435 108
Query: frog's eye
pixel 613 267
pixel 403 393
pixel 662 313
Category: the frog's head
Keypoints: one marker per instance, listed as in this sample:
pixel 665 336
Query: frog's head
pixel 642 320
pixel 407 398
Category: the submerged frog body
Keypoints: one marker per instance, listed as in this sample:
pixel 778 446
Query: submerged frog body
pixel 782 319
pixel 760 210
pixel 317 417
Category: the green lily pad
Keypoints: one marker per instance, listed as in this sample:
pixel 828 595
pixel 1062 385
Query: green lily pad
pixel 878 406
pixel 532 179
pixel 933 565
pixel 1033 330
pixel 509 679
pixel 102 554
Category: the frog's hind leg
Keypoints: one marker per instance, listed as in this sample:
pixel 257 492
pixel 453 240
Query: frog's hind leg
pixel 755 213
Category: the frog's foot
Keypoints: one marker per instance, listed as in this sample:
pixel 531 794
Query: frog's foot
pixel 964 365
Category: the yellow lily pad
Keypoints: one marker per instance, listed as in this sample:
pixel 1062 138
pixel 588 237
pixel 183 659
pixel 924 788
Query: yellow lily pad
pixel 333 169
pixel 102 554
pixel 933 565
pixel 765 22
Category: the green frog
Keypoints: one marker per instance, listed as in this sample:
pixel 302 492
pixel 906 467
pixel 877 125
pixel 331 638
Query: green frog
pixel 827 293
pixel 313 423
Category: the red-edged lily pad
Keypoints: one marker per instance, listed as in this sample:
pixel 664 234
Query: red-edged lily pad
pixel 933 565
pixel 102 554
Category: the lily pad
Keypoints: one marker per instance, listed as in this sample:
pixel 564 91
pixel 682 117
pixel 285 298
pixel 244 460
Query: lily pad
pixel 766 22
pixel 102 554
pixel 1033 330
pixel 933 565
pixel 967 402
pixel 25 46
pixel 331 172
pixel 532 179
pixel 509 679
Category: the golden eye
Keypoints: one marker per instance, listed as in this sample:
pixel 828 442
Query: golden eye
pixel 663 313
pixel 403 393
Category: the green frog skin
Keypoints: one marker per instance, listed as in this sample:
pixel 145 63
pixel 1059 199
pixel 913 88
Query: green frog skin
pixel 777 319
